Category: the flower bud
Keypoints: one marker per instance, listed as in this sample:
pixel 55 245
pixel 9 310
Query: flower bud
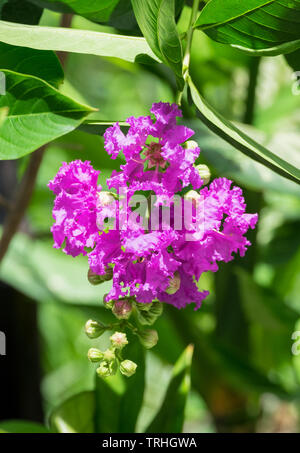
pixel 109 355
pixel 95 355
pixel 128 368
pixel 204 173
pixel 191 144
pixel 143 306
pixel 106 198
pixel 96 279
pixel 119 340
pixel 174 283
pixel 103 370
pixel 148 338
pixel 94 329
pixel 150 316
pixel 122 309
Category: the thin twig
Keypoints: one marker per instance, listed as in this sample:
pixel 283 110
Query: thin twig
pixel 21 200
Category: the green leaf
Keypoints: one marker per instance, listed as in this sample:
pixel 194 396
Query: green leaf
pixel 38 113
pixel 148 317
pixel 170 417
pixel 21 426
pixel 156 19
pixel 46 274
pixel 225 129
pixel 75 415
pixel 71 40
pixel 241 372
pixel 123 18
pixel 42 64
pixel 97 10
pixel 264 307
pixel 99 127
pixel 253 25
pixel 285 48
pixel 217 363
pixel 293 60
pixel 132 399
pixel 20 11
pixel 108 394
pixel 3 114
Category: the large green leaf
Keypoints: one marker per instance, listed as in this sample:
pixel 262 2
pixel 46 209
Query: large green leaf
pixel 108 395
pixel 132 399
pixel 262 305
pixel 76 415
pixel 225 129
pixel 21 11
pixel 46 274
pixel 170 417
pixel 38 113
pixel 123 18
pixel 156 19
pixel 99 127
pixel 293 60
pixel 21 426
pixel 253 24
pixel 42 64
pixel 71 40
pixel 97 10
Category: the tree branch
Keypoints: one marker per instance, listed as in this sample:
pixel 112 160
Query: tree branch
pixel 21 200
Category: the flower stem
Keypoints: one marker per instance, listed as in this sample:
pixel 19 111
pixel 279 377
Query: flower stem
pixel 189 39
pixel 187 53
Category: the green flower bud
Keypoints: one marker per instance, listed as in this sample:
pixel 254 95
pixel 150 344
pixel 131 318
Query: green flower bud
pixel 122 309
pixel 150 316
pixel 128 368
pixel 204 173
pixel 94 329
pixel 95 355
pixel 148 338
pixel 96 279
pixel 157 308
pixel 174 284
pixel 103 370
pixel 109 355
pixel 119 340
pixel 143 307
pixel 93 278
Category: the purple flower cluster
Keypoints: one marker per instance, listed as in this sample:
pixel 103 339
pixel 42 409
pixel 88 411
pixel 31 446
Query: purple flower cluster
pixel 164 262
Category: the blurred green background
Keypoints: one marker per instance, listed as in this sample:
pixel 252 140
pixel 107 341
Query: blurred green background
pixel 244 375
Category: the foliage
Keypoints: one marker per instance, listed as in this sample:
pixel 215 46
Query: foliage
pixel 231 62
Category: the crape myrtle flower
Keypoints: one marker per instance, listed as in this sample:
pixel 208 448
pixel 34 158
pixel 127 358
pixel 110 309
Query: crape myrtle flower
pixel 75 187
pixel 163 263
pixel 155 159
